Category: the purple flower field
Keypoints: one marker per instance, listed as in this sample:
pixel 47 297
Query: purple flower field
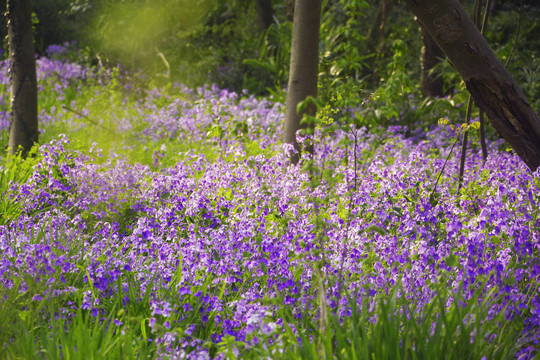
pixel 212 237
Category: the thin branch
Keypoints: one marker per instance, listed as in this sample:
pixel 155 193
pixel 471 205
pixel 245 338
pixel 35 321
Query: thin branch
pixel 92 121
pixel 483 136
pixel 464 144
pixel 517 35
pixel 443 167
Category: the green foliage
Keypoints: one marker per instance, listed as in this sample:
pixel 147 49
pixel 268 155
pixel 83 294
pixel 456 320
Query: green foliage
pixel 394 95
pixel 14 172
pixel 394 102
pixel 274 53
pixel 446 326
pixel 514 36
pixel 40 331
pixel 100 121
pixel 83 337
pixel 457 332
pixel 343 40
pixel 219 41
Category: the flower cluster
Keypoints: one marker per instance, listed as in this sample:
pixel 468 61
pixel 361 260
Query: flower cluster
pixel 214 248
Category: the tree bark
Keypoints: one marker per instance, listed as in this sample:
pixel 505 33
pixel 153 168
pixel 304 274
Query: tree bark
pixel 377 33
pixel 376 40
pixel 290 10
pixel 265 13
pixel 491 86
pixel 431 82
pixel 23 87
pixel 304 67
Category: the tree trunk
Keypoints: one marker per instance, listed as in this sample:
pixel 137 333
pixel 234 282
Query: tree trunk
pixel 377 34
pixel 24 126
pixel 431 82
pixel 265 13
pixel 304 67
pixel 290 10
pixel 491 86
pixel 376 40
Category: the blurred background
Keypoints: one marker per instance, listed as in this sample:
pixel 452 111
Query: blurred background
pixel 245 44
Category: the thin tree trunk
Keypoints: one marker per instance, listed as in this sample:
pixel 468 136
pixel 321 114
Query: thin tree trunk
pixel 265 13
pixel 24 126
pixel 483 136
pixel 290 10
pixel 376 39
pixel 303 68
pixel 376 36
pixel 431 56
pixel 491 86
pixel 476 20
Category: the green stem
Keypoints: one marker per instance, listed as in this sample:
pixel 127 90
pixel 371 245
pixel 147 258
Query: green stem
pixel 464 144
pixel 444 166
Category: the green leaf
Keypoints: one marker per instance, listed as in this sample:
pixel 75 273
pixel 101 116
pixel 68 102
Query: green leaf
pixel 377 229
pixel 24 315
pixel 434 199
pixel 143 329
pixel 301 107
pixel 451 260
